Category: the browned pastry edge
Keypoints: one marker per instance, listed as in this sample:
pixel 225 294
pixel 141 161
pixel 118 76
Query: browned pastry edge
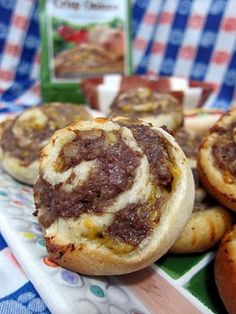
pixel 204 229
pixel 80 258
pixel 217 179
pixel 225 270
pixel 12 164
pixel 224 198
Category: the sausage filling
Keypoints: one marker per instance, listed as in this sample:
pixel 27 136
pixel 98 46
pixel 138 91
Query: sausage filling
pixel 224 149
pixel 113 174
pixel 58 117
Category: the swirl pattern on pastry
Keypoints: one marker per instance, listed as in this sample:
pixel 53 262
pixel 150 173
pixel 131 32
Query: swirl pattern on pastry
pixel 107 189
pixel 28 133
pixel 225 270
pixel 216 160
pixel 143 103
pixel 210 220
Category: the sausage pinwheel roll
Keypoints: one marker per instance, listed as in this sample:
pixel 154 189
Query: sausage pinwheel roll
pixel 209 220
pixel 143 103
pixel 225 270
pixel 112 195
pixel 217 160
pixel 24 137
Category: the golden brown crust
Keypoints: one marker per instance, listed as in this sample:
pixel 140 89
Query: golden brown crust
pixel 204 229
pixel 225 270
pixel 74 242
pixel 143 103
pixel 214 189
pixel 217 181
pixel 209 220
pixel 87 260
pixel 25 132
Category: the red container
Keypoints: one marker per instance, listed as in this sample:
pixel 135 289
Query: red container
pixel 100 92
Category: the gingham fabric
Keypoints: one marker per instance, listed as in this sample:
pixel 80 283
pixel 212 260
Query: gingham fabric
pixel 19 54
pixel 192 39
pixel 195 39
pixel 17 294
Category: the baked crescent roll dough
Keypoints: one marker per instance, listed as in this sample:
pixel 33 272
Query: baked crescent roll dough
pixel 217 162
pixel 209 220
pixel 112 195
pixel 143 103
pixel 205 229
pixel 225 270
pixel 24 137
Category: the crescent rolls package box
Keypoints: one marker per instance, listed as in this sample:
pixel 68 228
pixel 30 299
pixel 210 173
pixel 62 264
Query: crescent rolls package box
pixel 82 39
